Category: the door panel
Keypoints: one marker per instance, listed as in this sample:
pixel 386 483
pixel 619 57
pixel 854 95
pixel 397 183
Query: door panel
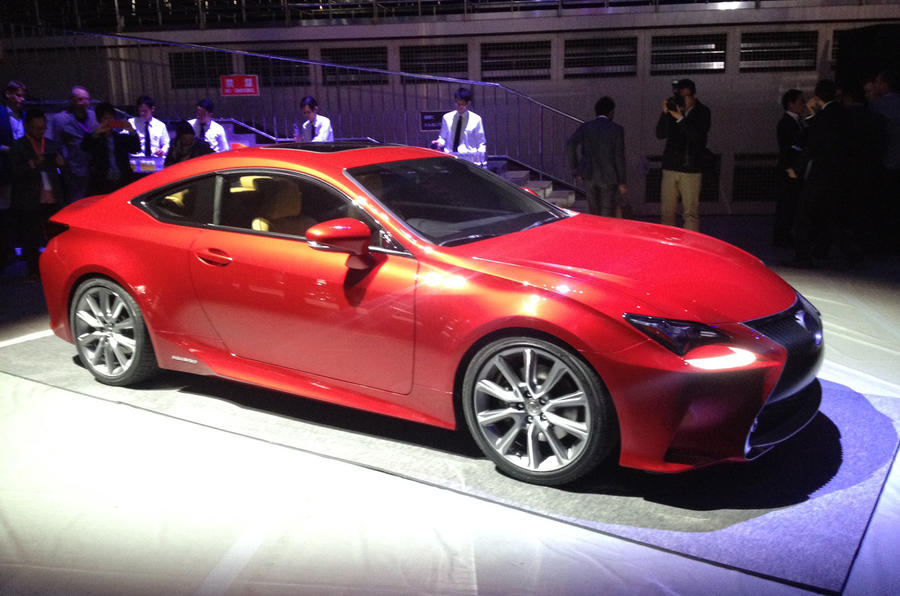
pixel 277 300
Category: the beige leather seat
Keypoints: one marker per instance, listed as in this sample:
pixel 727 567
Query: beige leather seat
pixel 280 209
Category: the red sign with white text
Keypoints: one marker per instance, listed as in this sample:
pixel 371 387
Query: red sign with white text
pixel 236 85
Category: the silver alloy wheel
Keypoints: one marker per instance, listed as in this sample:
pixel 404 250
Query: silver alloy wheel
pixel 103 326
pixel 532 408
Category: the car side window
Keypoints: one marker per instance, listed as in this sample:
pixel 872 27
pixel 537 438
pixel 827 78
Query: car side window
pixel 189 202
pixel 268 202
pixel 265 201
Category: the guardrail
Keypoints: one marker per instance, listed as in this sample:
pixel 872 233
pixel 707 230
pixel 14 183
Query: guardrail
pixel 400 108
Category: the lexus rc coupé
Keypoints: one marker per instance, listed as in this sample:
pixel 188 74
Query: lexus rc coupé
pixel 413 284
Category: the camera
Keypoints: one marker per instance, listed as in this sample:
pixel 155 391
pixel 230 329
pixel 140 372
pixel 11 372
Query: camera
pixel 676 100
pixel 673 102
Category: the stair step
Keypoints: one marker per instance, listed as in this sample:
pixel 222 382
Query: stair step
pixel 519 177
pixel 497 166
pixel 562 198
pixel 541 188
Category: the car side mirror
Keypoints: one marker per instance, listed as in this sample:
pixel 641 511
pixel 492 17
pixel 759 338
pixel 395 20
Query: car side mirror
pixel 343 235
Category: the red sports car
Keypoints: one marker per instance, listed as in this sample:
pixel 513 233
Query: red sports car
pixel 410 283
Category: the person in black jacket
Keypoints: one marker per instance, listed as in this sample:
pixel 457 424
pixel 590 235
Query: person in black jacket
pixel 791 135
pixel 36 163
pixel 109 148
pixel 827 154
pixel 186 144
pixel 684 124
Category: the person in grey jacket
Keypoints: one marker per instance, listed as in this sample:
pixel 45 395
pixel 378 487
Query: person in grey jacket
pixel 68 129
pixel 596 154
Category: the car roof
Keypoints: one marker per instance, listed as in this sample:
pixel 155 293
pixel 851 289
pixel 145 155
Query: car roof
pixel 348 154
pixel 328 160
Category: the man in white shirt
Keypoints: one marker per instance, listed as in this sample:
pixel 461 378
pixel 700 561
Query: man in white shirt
pixel 207 129
pixel 462 131
pixel 152 132
pixel 315 128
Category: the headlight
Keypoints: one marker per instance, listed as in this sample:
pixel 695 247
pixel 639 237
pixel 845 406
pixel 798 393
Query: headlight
pixel 678 336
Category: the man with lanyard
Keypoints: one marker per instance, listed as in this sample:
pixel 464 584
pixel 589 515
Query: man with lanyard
pixel 69 129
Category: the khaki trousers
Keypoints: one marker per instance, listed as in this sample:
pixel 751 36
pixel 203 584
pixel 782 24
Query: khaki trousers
pixel 684 185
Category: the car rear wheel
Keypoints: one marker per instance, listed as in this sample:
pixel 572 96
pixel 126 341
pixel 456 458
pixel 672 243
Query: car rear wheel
pixel 539 412
pixel 110 334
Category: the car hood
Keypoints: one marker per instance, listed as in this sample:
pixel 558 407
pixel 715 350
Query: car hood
pixel 637 267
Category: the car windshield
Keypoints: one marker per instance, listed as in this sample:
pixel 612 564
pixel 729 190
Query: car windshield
pixel 451 202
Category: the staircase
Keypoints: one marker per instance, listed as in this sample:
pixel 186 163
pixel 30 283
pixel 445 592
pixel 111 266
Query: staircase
pixel 545 189
pixel 246 139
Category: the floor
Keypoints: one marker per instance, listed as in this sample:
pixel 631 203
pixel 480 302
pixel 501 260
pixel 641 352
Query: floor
pixel 189 486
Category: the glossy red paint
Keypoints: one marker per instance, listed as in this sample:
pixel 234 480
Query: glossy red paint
pixel 392 331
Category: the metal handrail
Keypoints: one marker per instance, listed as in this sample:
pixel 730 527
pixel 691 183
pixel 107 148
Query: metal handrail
pixel 539 168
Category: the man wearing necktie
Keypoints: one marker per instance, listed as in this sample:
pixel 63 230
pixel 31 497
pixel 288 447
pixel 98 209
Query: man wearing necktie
pixel 209 130
pixel 315 127
pixel 462 131
pixel 153 134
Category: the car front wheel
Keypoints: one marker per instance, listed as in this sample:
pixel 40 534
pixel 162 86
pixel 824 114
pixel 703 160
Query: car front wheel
pixel 540 413
pixel 110 334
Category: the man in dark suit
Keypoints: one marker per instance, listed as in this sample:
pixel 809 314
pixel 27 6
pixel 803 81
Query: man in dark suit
pixel 601 163
pixel 826 178
pixel 791 137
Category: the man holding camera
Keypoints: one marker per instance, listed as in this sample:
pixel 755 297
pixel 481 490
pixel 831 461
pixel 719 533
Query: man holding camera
pixel 684 124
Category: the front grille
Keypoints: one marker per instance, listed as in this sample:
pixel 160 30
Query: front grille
pixel 799 330
pixel 796 397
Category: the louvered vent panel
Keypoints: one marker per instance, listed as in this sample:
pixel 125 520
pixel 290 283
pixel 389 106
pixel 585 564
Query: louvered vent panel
pixel 515 61
pixel 362 57
pixel 687 54
pixel 279 73
pixel 773 52
pixel 592 58
pixel 754 177
pixel 193 70
pixel 442 61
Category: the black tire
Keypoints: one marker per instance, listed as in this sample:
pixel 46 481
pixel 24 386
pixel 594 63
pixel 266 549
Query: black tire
pixel 110 335
pixel 550 430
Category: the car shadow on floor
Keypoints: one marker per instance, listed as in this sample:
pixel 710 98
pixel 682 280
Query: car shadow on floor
pixel 787 475
pixel 320 413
